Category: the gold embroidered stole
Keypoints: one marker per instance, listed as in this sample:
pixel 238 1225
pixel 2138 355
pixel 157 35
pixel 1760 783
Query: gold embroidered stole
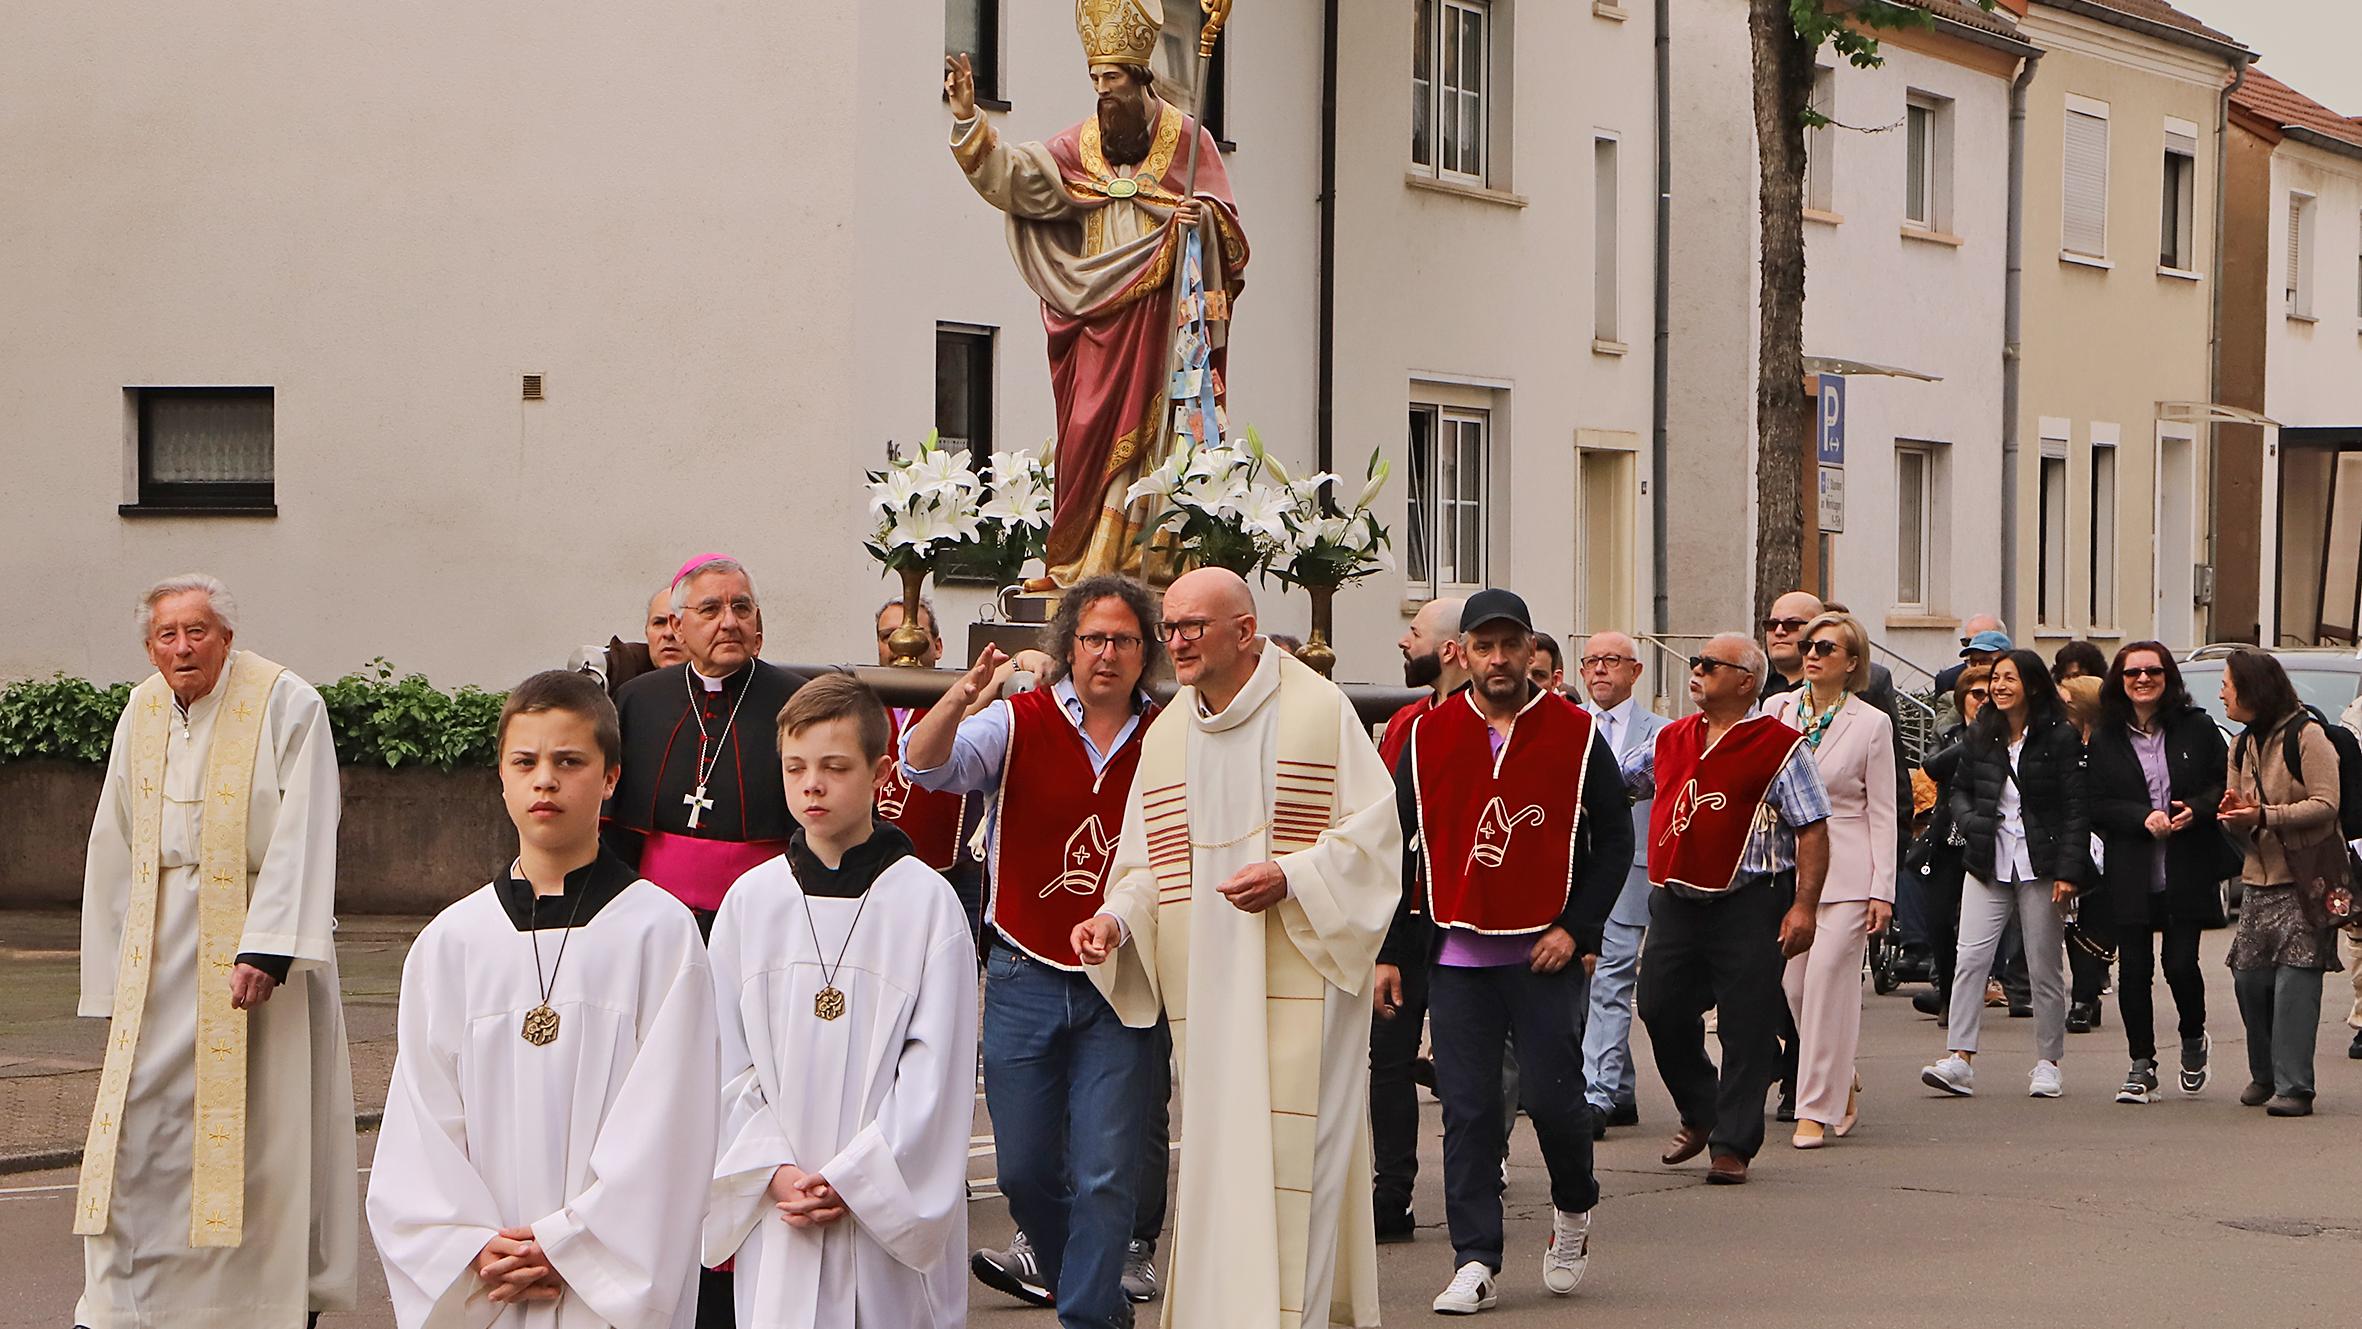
pixel 1303 806
pixel 217 1179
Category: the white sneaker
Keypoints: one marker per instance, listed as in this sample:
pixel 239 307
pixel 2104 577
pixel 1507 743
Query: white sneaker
pixel 1953 1075
pixel 2044 1082
pixel 1569 1251
pixel 1470 1291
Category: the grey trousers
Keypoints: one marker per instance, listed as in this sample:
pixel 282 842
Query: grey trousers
pixel 2282 1010
pixel 1985 911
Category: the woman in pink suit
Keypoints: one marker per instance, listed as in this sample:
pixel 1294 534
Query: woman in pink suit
pixel 1853 745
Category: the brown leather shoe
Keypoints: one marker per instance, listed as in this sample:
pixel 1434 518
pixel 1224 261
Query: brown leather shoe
pixel 1727 1170
pixel 1686 1144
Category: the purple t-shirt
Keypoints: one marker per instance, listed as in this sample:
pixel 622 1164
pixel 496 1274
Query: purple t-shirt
pixel 2150 748
pixel 1463 949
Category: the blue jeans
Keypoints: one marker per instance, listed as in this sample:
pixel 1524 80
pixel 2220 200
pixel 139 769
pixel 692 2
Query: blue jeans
pixel 1607 1038
pixel 1067 1086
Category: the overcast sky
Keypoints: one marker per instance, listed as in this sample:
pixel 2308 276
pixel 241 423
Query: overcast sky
pixel 2311 45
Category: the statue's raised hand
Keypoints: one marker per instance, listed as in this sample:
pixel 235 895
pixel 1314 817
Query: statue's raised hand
pixel 959 86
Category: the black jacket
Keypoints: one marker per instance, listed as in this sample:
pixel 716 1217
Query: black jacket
pixel 2051 795
pixel 1603 855
pixel 2195 857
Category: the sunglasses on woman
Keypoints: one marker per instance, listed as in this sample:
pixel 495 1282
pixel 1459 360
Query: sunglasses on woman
pixel 1821 647
pixel 2145 671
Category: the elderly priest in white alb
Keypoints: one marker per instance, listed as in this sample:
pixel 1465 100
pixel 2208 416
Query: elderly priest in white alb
pixel 218 1184
pixel 1259 867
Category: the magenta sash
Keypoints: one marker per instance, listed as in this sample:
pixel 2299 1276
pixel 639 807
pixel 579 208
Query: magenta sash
pixel 699 872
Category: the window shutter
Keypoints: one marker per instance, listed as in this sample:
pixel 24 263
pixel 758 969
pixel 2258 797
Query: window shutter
pixel 2085 225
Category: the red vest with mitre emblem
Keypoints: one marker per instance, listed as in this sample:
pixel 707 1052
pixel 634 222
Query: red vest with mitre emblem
pixel 1057 827
pixel 1708 798
pixel 932 819
pixel 1497 833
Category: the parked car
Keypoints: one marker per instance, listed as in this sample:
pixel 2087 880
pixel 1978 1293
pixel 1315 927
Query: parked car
pixel 2327 678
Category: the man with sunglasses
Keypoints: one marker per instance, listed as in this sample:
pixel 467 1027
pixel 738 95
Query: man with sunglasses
pixel 1078 1100
pixel 1738 846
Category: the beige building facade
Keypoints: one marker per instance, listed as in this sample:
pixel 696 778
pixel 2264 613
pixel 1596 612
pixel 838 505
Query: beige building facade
pixel 2109 480
pixel 443 332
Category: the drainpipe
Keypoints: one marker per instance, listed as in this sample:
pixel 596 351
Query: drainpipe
pixel 1660 558
pixel 2214 354
pixel 1325 390
pixel 2012 326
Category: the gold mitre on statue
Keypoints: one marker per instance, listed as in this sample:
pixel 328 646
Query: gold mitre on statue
pixel 1118 32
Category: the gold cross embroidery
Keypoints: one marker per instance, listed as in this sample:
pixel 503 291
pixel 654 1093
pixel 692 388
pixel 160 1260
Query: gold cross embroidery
pixel 91 1208
pixel 226 794
pixel 216 1221
pixel 123 1040
pixel 221 1050
pixel 146 786
pixel 106 1122
pixel 223 877
pixel 221 964
pixel 218 1136
pixel 155 707
pixel 243 711
pixel 136 955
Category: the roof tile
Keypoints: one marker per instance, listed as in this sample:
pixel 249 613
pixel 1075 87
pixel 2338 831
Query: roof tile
pixel 2265 96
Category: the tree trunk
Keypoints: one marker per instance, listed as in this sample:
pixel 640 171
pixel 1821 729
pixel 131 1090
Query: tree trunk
pixel 1783 75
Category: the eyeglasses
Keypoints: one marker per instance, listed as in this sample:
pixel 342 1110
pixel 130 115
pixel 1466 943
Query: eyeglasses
pixel 1787 625
pixel 2145 671
pixel 741 605
pixel 1980 694
pixel 1824 647
pixel 1707 664
pixel 1186 630
pixel 1100 643
pixel 1605 661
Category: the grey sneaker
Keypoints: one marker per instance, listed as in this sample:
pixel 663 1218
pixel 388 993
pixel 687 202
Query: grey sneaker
pixel 2194 1069
pixel 2140 1083
pixel 1014 1271
pixel 1953 1075
pixel 1140 1272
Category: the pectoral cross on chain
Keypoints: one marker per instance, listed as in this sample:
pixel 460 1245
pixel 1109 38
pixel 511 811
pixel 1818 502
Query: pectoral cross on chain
pixel 698 804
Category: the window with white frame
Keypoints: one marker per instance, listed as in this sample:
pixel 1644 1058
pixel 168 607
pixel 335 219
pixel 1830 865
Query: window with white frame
pixel 1915 520
pixel 2177 244
pixel 1451 64
pixel 2302 209
pixel 2050 581
pixel 1605 240
pixel 1927 161
pixel 1449 522
pixel 2103 535
pixel 2084 215
pixel 1820 144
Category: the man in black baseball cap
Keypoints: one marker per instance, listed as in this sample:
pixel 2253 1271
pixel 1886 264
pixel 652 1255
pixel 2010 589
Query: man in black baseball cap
pixel 1517 835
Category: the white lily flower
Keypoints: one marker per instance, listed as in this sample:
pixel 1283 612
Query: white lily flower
pixel 1263 510
pixel 1379 470
pixel 938 471
pixel 894 491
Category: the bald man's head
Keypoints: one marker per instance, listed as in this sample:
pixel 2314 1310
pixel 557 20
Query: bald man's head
pixel 1431 646
pixel 1783 630
pixel 1210 614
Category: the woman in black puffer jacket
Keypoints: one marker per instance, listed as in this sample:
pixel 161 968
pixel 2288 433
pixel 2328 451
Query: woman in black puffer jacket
pixel 2018 798
pixel 2157 767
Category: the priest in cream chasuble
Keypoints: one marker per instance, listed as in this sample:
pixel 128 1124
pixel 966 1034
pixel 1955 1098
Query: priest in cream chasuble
pixel 1270 1009
pixel 218 1186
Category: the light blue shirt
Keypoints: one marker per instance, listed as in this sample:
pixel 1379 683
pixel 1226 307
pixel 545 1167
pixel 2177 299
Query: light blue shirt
pixel 981 748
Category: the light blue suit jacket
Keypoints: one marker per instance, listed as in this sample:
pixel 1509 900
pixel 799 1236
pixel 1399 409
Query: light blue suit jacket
pixel 1636 729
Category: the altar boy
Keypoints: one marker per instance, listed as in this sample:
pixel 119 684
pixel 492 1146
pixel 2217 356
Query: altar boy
pixel 553 1101
pixel 846 985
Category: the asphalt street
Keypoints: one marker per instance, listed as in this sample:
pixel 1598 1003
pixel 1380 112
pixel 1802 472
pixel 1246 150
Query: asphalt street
pixel 1994 1210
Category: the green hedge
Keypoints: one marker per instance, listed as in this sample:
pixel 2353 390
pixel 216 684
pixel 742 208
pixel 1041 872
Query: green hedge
pixel 376 718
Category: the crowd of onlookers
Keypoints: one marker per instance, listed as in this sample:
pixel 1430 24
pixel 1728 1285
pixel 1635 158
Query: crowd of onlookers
pixel 2082 815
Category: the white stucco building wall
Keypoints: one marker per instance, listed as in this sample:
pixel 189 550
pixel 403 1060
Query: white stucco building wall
pixel 1920 550
pixel 725 238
